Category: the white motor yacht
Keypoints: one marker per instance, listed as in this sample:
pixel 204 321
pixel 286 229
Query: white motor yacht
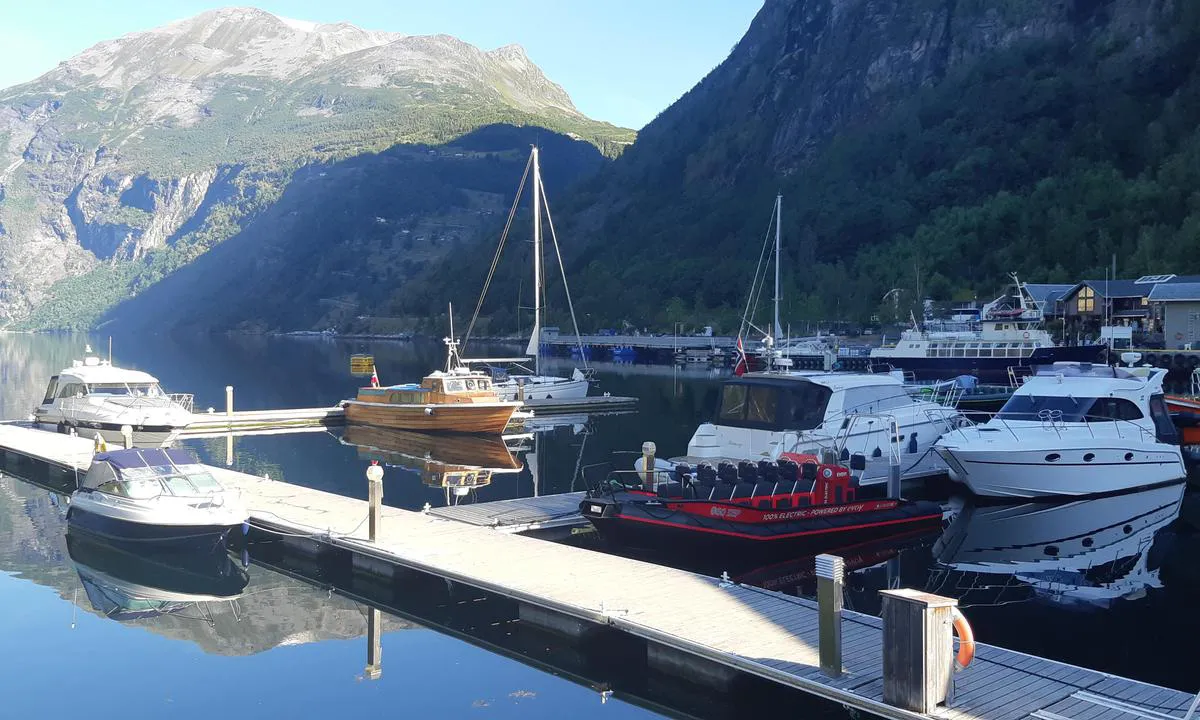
pixel 762 416
pixel 1071 429
pixel 162 496
pixel 95 396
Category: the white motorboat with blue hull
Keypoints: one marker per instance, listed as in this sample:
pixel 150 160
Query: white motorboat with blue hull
pixel 163 497
pixel 1071 429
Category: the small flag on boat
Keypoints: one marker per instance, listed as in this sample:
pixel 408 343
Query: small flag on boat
pixel 740 368
pixel 374 377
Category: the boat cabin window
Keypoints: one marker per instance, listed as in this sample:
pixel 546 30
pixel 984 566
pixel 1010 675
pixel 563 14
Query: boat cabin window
pixel 132 389
pixel 1072 409
pixel 51 389
pixel 71 390
pixel 791 405
pixel 453 385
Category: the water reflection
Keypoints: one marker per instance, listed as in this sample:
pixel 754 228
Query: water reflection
pixel 137 583
pixel 1090 552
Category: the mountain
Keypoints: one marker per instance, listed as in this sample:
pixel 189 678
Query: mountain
pixel 937 144
pixel 137 156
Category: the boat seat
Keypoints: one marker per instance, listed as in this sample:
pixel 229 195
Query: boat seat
pixel 768 471
pixel 762 489
pixel 783 503
pixel 727 472
pixel 706 473
pixel 747 471
pixel 742 491
pixel 670 490
pixel 702 490
pixel 788 470
pixel 803 501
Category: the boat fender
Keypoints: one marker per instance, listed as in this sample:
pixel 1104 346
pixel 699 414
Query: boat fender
pixel 428 411
pixel 966 640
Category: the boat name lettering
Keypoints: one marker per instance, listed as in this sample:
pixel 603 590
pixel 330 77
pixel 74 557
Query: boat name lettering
pixel 719 511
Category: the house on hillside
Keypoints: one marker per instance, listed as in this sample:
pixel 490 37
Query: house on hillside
pixel 1048 297
pixel 1178 304
pixel 1091 304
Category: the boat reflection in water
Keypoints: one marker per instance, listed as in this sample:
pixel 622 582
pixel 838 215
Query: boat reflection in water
pixel 136 583
pixel 1085 553
pixel 456 464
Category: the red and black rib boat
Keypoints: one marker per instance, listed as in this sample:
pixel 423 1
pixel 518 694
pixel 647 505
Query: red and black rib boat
pixel 770 509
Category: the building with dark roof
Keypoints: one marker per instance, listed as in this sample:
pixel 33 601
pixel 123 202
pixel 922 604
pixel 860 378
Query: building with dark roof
pixel 1090 304
pixel 1048 297
pixel 1178 304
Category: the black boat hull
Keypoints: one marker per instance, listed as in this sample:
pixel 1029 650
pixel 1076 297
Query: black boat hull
pixel 991 370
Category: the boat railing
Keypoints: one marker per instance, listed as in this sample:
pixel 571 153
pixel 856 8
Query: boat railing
pixel 1053 420
pixel 186 401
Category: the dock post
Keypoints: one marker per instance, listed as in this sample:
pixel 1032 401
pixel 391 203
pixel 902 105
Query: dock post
pixel 648 450
pixel 228 400
pixel 374 499
pixel 374 669
pixel 893 484
pixel 127 436
pixel 918 649
pixel 830 572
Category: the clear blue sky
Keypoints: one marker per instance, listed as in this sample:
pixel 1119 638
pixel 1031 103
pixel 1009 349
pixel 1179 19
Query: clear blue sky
pixel 621 60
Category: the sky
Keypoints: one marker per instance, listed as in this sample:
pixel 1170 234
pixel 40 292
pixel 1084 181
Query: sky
pixel 623 61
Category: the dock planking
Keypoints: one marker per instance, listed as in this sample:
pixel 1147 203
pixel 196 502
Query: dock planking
pixel 756 631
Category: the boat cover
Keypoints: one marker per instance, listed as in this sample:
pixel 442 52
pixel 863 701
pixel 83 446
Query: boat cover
pixel 146 457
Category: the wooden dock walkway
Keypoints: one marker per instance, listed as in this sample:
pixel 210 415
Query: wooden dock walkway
pixel 207 423
pixel 738 627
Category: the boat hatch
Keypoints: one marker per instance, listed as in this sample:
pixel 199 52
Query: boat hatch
pixel 146 473
pixel 772 404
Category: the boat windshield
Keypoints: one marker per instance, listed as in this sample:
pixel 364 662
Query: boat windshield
pixel 129 389
pixel 148 482
pixel 1068 409
pixel 790 405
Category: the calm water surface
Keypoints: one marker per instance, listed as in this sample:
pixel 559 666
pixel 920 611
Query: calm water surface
pixel 1111 584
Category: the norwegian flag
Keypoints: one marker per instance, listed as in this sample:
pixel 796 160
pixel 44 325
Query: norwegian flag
pixel 740 368
pixel 374 377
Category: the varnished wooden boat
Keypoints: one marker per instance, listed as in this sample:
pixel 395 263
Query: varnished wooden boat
pixel 457 399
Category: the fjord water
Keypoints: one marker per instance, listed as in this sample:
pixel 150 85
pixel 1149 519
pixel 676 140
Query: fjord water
pixel 1110 584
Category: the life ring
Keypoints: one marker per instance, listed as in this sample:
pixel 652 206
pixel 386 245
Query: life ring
pixel 1178 336
pixel 966 640
pixel 1026 336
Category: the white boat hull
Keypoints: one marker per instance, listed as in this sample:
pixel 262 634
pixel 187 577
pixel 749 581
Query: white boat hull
pixel 543 388
pixel 1029 471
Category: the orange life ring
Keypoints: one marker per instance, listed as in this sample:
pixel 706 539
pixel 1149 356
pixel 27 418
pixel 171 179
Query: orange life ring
pixel 966 640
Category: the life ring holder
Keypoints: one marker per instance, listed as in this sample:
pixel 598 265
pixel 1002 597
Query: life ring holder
pixel 1026 334
pixel 966 640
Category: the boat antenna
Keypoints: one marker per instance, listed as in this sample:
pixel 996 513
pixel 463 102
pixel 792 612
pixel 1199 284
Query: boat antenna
pixel 777 330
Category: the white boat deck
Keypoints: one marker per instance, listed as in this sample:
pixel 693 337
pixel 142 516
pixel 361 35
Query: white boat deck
pixel 756 631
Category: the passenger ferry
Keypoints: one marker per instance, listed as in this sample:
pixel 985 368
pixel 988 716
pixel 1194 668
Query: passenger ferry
pixel 1007 337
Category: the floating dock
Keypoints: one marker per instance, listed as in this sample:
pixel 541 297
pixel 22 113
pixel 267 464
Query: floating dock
pixel 249 420
pixel 546 512
pixel 592 404
pixel 698 625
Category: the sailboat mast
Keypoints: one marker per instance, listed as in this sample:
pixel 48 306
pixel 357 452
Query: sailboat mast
pixel 776 330
pixel 536 343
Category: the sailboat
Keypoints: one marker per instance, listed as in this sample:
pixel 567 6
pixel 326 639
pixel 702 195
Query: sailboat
pixel 535 385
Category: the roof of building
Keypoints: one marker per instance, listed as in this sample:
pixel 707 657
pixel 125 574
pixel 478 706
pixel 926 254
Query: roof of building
pixel 1176 292
pixel 1046 294
pixel 1141 287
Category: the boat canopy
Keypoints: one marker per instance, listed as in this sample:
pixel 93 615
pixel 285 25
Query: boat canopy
pixel 148 472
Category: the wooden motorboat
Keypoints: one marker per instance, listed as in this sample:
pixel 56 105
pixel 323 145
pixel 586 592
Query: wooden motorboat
pixel 456 399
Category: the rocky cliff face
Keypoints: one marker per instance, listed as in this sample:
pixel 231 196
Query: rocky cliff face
pixel 120 151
